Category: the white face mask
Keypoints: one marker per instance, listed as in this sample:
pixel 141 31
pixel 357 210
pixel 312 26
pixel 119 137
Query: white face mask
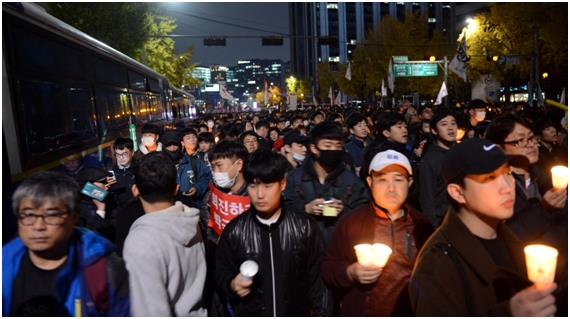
pixel 147 141
pixel 210 124
pixel 306 123
pixel 223 180
pixel 298 157
pixel 480 116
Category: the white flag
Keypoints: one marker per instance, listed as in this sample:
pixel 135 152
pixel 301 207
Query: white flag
pixel 563 97
pixel 331 96
pixel 384 91
pixel 442 93
pixel 224 93
pixel 391 77
pixel 348 74
pixel 337 101
pixel 315 100
pixel 265 94
pixel 458 63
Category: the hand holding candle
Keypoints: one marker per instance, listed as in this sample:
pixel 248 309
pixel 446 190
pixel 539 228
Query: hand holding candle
pixel 559 177
pixel 372 255
pixel 540 263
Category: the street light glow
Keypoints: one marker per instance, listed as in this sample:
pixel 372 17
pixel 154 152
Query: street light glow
pixel 432 58
pixel 472 27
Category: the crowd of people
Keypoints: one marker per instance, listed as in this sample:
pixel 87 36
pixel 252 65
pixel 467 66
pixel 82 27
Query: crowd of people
pixel 172 227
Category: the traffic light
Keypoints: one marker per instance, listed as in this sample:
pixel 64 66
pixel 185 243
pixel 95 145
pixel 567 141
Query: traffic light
pixel 215 42
pixel 271 41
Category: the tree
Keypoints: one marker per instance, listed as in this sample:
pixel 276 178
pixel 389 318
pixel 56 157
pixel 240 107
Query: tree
pixel 134 29
pixel 274 96
pixel 371 59
pixel 121 25
pixel 325 79
pixel 159 54
pixel 509 29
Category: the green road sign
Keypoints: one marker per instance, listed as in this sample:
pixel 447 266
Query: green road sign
pixel 415 69
pixel 400 58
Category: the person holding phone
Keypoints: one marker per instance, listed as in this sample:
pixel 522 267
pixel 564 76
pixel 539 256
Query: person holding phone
pixel 96 201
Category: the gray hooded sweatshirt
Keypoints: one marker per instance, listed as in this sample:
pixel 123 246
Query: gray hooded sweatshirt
pixel 165 256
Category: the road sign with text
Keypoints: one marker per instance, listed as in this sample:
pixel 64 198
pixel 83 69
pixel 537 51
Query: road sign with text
pixel 415 69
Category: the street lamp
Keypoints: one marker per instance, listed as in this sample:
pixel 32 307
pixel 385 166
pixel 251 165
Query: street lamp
pixel 472 26
pixel 432 58
pixel 544 75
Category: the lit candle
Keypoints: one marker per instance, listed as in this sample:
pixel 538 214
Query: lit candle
pixel 559 177
pixel 364 254
pixel 381 254
pixel 540 263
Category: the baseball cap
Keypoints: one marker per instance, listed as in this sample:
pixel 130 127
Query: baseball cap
pixel 473 156
pixel 387 158
pixel 295 137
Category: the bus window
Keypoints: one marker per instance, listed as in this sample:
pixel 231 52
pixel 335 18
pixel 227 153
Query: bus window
pixel 110 73
pixel 113 109
pixel 55 116
pixel 137 81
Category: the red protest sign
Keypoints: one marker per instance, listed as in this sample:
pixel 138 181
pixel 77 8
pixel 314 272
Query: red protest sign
pixel 225 207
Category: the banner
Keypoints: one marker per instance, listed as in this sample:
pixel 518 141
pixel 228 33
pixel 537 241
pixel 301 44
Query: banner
pixel 265 94
pixel 458 64
pixel 391 78
pixel 225 207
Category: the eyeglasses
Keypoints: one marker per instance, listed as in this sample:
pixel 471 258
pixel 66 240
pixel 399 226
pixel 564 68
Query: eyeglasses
pixel 122 155
pixel 523 142
pixel 55 217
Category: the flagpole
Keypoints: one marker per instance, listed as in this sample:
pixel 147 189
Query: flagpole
pixel 445 80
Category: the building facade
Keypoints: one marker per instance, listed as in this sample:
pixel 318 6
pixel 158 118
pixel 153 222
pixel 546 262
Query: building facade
pixel 349 22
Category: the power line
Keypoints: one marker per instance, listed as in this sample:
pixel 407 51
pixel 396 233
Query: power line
pixel 229 23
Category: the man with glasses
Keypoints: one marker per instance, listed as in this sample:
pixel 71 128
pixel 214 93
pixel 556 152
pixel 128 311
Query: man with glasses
pixel 534 204
pixel 540 211
pixel 122 176
pixel 53 268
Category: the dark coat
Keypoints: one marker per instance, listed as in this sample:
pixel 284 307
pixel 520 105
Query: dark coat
pixel 303 186
pixel 405 236
pixel 454 274
pixel 288 253
pixel 433 193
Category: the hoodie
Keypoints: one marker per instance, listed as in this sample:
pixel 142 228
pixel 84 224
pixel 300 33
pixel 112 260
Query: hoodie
pixel 165 257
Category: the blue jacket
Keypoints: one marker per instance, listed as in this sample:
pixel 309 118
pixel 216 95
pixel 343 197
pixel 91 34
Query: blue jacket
pixel 85 249
pixel 200 178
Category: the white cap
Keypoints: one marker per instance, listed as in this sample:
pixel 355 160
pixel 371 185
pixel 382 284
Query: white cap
pixel 387 158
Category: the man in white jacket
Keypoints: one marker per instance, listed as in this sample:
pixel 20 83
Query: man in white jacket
pixel 164 250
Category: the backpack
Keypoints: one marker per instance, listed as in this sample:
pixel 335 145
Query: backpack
pixel 97 284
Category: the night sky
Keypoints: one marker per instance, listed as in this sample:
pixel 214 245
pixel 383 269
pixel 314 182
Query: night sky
pixel 265 16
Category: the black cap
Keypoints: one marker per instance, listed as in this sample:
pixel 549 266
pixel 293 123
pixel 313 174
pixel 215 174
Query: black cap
pixel 150 128
pixel 170 138
pixel 476 104
pixel 473 156
pixel 294 137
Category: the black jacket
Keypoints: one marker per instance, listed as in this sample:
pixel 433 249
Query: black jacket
pixel 433 193
pixel 122 189
pixel 303 186
pixel 288 254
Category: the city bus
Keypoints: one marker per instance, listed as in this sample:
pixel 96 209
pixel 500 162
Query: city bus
pixel 66 94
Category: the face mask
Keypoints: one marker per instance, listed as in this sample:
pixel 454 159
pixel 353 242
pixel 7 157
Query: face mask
pixel 306 123
pixel 330 159
pixel 175 156
pixel 480 116
pixel 147 141
pixel 210 124
pixel 298 157
pixel 223 180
